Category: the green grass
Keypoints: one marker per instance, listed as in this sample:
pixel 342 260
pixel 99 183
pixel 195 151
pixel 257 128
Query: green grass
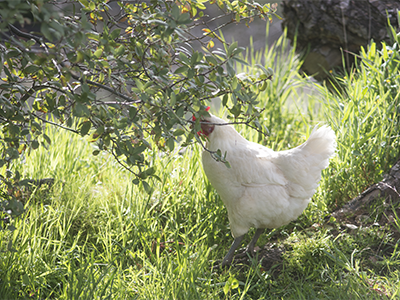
pixel 94 235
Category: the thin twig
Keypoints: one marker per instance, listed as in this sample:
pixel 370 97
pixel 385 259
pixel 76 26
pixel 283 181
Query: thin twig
pixel 213 153
pixel 121 163
pixel 55 124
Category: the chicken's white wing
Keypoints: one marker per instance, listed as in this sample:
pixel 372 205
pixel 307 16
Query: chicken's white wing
pixel 253 165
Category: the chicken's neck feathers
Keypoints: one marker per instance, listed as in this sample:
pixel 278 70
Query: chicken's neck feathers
pixel 225 137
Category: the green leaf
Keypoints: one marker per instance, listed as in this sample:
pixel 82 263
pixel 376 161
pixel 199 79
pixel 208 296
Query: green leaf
pixel 148 189
pixel 173 99
pixel 80 110
pixel 231 284
pixel 234 284
pixel 150 171
pixel 211 59
pixel 239 60
pixel 46 31
pixel 179 132
pixel 115 33
pixel 227 287
pixel 193 59
pixel 181 69
pixel 98 52
pixel 36 126
pixel 85 127
pixel 11 227
pixel 35 144
pixel 237 18
pixel 10 246
pixel 175 11
pixel 238 50
pixel 139 149
pixel 93 36
pixel 104 64
pixel 230 69
pixel 85 3
pixel 267 72
pixel 264 86
pixel 14 129
pixel 132 112
pixel 139 84
pixel 227 164
pixel 7 72
pixel 31 69
pixel 190 73
pixel 13 53
pixel 120 50
pixel 170 144
pixel 184 58
pixel 232 47
pixel 47 138
pixel 184 19
pixel 224 100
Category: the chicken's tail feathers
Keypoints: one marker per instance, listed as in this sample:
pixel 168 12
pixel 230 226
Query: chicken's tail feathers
pixel 303 165
pixel 321 141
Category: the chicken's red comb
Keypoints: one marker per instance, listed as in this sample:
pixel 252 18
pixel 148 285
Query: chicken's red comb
pixel 194 118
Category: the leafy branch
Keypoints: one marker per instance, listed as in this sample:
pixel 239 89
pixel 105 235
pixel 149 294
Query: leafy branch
pixel 129 85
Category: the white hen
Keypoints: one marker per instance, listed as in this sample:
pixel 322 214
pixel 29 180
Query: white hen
pixel 263 188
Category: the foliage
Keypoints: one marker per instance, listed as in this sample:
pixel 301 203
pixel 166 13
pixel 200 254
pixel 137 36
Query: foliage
pixel 122 74
pixel 95 235
pixel 368 115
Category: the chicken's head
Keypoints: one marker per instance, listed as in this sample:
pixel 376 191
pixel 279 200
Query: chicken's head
pixel 206 129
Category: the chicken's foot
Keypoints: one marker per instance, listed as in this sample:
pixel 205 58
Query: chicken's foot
pixel 229 256
pixel 236 243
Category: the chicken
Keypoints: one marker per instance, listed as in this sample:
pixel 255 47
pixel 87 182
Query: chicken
pixel 263 188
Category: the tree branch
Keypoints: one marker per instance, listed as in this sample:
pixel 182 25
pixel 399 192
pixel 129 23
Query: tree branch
pixel 26 35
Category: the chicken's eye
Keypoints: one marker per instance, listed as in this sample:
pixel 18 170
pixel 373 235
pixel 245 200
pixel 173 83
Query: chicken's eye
pixel 210 129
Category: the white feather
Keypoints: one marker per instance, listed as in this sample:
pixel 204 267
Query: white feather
pixel 264 188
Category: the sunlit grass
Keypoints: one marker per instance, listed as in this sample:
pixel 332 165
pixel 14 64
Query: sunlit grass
pixel 95 235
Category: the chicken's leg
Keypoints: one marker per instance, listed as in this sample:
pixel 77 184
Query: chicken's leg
pixel 229 256
pixel 236 243
pixel 250 246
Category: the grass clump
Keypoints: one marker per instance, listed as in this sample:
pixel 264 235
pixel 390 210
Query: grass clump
pixel 95 235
